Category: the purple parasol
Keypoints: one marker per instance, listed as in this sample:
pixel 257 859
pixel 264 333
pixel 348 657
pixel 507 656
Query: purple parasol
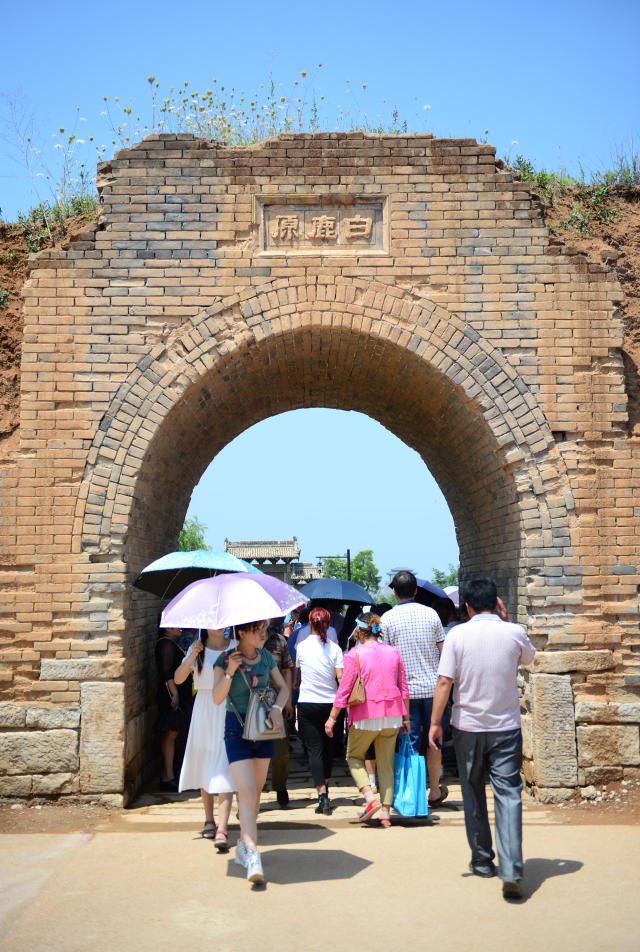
pixel 230 600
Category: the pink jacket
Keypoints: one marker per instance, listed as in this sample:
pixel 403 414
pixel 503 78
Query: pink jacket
pixel 385 682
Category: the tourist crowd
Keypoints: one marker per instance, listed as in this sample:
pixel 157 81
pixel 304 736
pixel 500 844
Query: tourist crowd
pixel 421 670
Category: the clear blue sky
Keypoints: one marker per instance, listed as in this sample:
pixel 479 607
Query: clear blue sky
pixel 328 507
pixel 558 78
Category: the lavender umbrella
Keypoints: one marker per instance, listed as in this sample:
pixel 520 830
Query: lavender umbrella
pixel 230 600
pixel 454 594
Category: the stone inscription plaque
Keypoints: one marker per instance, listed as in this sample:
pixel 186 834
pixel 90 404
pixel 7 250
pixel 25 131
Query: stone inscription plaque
pixel 310 227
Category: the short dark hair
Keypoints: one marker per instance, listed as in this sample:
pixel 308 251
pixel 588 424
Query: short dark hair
pixel 404 584
pixel 481 594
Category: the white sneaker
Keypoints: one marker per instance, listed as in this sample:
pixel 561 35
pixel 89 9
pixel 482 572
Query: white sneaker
pixel 241 854
pixel 254 867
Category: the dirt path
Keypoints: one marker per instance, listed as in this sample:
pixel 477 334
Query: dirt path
pixel 81 879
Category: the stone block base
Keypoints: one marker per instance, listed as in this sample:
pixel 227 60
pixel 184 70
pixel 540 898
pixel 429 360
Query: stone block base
pixel 608 745
pixel 554 794
pixel 598 775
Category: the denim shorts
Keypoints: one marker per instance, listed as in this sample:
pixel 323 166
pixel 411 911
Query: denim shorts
pixel 240 749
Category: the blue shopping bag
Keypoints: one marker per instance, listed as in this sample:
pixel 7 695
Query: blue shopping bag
pixel 409 781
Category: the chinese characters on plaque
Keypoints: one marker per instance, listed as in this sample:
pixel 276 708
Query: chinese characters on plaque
pixel 312 228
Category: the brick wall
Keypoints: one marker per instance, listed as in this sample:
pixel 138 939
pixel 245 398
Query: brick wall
pixel 406 277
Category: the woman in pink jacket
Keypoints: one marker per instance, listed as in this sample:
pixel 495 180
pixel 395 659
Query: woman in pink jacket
pixel 377 720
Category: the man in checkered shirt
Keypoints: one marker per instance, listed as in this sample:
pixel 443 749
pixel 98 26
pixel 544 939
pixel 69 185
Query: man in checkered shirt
pixel 417 632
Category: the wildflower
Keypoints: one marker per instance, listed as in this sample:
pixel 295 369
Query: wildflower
pixel 150 79
pixel 514 142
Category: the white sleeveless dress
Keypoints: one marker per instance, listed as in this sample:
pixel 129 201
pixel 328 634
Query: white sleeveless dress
pixel 205 763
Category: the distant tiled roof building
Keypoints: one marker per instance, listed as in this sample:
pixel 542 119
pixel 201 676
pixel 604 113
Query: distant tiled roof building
pixel 281 559
pixel 265 551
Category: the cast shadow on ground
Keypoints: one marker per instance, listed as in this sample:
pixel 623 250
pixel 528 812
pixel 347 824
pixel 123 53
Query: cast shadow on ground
pixel 283 867
pixel 302 803
pixel 537 870
pixel 409 821
pixel 279 833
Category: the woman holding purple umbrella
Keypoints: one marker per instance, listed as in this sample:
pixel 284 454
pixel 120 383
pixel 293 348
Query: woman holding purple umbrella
pixel 235 672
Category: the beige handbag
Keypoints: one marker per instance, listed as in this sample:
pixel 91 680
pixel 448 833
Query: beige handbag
pixel 257 725
pixel 357 695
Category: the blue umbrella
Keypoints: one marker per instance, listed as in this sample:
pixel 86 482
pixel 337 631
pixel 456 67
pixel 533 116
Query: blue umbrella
pixel 430 587
pixel 337 589
pixel 428 593
pixel 170 574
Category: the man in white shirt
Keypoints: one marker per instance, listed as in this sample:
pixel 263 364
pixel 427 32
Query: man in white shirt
pixel 480 658
pixel 417 632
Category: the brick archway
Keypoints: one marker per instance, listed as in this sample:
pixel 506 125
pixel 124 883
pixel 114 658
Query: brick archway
pixel 407 277
pixel 447 394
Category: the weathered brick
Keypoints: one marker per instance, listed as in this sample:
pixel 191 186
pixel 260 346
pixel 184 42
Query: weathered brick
pixel 173 325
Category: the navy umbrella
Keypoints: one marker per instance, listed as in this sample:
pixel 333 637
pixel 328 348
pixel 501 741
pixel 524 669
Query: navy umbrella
pixel 338 590
pixel 428 593
pixel 430 587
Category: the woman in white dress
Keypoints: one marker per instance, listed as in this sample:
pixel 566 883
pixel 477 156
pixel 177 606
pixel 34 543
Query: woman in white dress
pixel 205 763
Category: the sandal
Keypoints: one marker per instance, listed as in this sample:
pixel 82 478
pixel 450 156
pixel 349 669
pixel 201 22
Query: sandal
pixel 385 822
pixel 444 793
pixel 221 841
pixel 209 830
pixel 372 807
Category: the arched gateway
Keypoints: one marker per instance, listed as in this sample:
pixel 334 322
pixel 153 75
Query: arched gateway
pixel 405 277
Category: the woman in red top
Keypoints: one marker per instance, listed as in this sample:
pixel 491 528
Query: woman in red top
pixel 379 718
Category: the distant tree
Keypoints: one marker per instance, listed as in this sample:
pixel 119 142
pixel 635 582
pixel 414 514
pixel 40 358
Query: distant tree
pixel 192 535
pixel 443 579
pixel 363 570
pixel 334 568
pixel 386 596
